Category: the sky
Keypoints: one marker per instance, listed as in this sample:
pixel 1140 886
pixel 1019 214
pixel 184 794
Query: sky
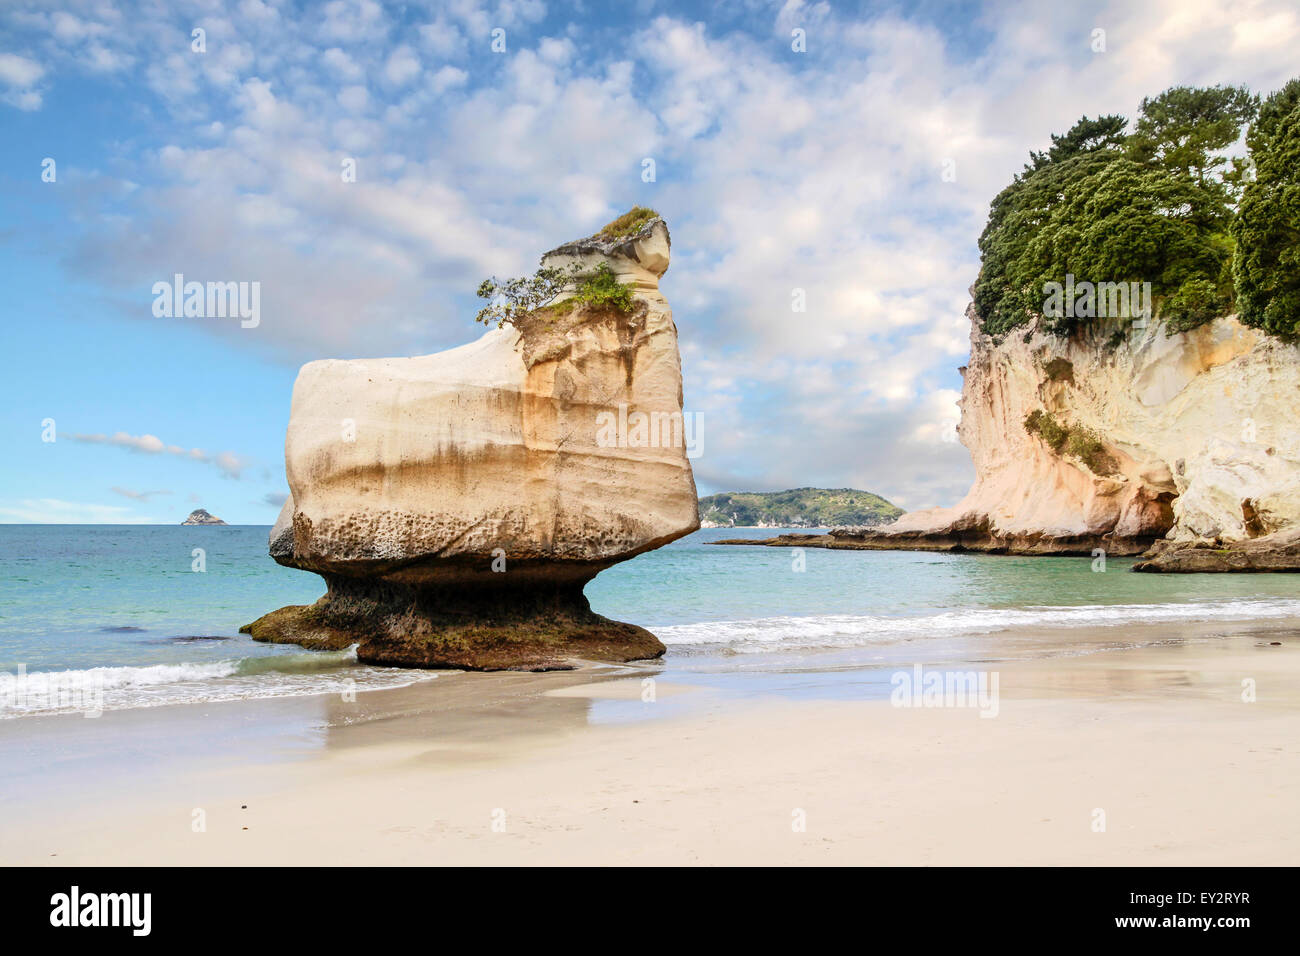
pixel 857 169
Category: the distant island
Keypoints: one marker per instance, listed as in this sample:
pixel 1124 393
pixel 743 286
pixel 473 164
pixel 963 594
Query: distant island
pixel 796 508
pixel 201 516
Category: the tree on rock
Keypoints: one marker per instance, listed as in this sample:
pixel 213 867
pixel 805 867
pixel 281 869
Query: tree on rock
pixel 1266 263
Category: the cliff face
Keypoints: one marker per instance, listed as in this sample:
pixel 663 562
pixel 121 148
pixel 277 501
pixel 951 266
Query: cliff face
pixel 1187 442
pixel 456 504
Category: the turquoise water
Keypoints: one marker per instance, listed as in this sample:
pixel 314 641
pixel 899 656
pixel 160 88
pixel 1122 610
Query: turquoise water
pixel 123 603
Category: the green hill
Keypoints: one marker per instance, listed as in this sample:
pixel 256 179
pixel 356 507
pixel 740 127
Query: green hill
pixel 797 508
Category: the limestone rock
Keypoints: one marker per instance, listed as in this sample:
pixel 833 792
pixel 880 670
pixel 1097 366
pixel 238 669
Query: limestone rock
pixel 1197 432
pixel 201 516
pixel 1196 457
pixel 411 479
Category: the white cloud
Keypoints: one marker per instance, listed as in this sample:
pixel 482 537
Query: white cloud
pixel 442 39
pixel 101 59
pixel 20 75
pixel 69 28
pixel 354 21
pixel 58 511
pixel 136 495
pixel 777 171
pixel 354 99
pixel 230 464
pixel 342 65
pixel 150 444
pixel 256 11
pixel 402 66
pixel 448 77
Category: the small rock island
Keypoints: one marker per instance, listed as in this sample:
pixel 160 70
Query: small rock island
pixel 201 516
pixel 457 504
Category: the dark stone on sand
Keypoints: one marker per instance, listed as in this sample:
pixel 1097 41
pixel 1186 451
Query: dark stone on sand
pixel 488 625
pixel 1270 553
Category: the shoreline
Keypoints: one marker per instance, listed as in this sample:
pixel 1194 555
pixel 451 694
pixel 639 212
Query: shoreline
pixel 1272 554
pixel 584 770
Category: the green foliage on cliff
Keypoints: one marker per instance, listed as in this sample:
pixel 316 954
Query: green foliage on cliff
pixel 601 289
pixel 797 508
pixel 1042 424
pixel 1086 445
pixel 1266 263
pixel 512 300
pixel 1155 204
pixel 1083 443
pixel 628 223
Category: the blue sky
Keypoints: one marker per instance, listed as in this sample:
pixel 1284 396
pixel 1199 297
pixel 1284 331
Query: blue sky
pixel 776 170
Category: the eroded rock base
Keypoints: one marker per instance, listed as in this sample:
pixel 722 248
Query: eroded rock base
pixel 532 628
pixel 958 542
pixel 1278 552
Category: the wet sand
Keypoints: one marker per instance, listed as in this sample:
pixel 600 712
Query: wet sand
pixel 1147 755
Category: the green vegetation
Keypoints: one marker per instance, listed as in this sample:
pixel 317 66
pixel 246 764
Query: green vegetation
pixel 1196 302
pixel 1060 370
pixel 1086 445
pixel 628 224
pixel 1040 423
pixel 1266 261
pixel 1083 443
pixel 601 289
pixel 512 301
pixel 1156 204
pixel 797 508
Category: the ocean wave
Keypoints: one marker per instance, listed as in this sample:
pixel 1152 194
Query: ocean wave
pixel 97 689
pixel 847 630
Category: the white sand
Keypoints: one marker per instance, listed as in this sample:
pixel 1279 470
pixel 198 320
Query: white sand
pixel 1159 739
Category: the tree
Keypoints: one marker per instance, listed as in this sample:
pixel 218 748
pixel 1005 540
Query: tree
pixel 1153 206
pixel 1266 261
pixel 1183 127
pixel 514 299
pixel 1085 136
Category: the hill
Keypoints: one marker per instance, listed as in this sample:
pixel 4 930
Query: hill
pixel 796 508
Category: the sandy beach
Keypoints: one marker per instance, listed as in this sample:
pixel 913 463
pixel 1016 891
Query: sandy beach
pixel 579 768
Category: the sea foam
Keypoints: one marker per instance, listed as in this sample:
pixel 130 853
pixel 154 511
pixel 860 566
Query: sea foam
pixel 155 685
pixel 847 630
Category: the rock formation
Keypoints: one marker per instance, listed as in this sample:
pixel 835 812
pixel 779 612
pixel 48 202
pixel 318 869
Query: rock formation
pixel 456 504
pixel 1126 439
pixel 201 516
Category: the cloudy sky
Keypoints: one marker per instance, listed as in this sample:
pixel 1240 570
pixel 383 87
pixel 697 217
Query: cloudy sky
pixel 858 169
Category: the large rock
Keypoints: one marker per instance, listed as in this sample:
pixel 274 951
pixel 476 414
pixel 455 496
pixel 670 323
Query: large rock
pixel 1198 426
pixel 201 516
pixel 456 504
pixel 1198 458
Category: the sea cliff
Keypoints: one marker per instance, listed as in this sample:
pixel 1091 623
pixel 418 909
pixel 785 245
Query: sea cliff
pixel 1124 437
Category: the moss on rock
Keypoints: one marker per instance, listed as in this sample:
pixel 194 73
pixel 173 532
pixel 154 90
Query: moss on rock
pixel 628 223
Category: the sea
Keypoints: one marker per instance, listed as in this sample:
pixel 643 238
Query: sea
pixel 151 614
